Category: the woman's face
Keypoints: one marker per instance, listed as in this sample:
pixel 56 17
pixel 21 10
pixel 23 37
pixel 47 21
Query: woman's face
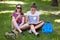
pixel 18 9
pixel 33 10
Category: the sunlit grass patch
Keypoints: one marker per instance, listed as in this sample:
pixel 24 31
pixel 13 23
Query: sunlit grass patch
pixel 12 2
pixel 47 13
pixel 57 20
pixel 6 11
pixel 46 0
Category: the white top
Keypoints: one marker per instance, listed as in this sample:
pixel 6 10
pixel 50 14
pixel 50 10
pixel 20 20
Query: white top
pixel 32 18
pixel 35 14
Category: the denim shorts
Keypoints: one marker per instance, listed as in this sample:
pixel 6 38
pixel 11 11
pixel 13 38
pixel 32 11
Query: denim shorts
pixel 18 24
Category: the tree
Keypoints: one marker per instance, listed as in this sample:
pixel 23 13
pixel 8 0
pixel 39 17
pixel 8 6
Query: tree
pixel 54 3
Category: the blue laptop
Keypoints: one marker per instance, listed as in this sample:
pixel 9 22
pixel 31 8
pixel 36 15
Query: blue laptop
pixel 32 19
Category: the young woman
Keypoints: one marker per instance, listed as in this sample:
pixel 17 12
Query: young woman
pixel 18 19
pixel 33 19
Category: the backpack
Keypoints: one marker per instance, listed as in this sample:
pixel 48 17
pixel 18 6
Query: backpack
pixel 47 27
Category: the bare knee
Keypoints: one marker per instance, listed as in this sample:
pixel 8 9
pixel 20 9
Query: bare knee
pixel 31 26
pixel 26 24
pixel 42 22
pixel 13 20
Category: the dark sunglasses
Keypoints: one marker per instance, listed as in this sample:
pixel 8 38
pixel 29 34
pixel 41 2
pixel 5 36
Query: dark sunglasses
pixel 19 8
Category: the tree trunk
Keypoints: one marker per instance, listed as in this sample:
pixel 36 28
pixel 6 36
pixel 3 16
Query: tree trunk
pixel 54 3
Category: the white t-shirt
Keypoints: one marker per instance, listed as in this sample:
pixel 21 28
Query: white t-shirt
pixel 35 14
pixel 32 18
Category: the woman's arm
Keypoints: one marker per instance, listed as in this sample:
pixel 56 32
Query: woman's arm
pixel 22 21
pixel 26 18
pixel 17 17
pixel 13 16
pixel 38 18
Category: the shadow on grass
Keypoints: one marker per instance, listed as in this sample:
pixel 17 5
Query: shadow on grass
pixel 41 5
pixel 5 23
pixel 5 20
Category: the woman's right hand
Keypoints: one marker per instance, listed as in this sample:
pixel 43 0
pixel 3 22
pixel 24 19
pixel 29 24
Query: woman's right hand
pixel 17 17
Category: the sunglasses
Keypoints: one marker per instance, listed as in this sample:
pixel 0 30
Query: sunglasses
pixel 19 8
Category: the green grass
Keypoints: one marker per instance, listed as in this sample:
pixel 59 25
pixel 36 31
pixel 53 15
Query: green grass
pixel 5 20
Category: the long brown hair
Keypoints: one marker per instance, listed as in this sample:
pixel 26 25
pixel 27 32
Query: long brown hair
pixel 20 9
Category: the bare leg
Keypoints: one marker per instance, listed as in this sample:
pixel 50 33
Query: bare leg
pixel 13 28
pixel 24 26
pixel 39 25
pixel 15 25
pixel 33 29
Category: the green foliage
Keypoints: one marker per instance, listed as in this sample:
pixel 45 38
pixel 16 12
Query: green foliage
pixel 5 20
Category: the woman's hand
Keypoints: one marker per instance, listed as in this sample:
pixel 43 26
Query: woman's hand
pixel 17 17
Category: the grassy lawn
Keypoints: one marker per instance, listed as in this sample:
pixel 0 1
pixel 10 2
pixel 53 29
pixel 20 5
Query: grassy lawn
pixel 48 13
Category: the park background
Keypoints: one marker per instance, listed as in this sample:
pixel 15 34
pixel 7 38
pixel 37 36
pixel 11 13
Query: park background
pixel 49 11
